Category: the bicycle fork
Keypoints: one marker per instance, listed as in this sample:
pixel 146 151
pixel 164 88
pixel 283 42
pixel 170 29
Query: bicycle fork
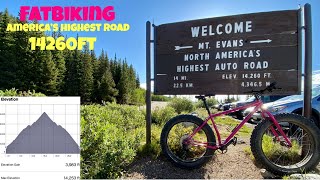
pixel 275 122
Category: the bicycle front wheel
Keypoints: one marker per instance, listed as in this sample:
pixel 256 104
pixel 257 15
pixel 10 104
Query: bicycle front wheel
pixel 180 149
pixel 271 150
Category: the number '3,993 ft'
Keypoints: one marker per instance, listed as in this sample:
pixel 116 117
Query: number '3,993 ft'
pixel 61 43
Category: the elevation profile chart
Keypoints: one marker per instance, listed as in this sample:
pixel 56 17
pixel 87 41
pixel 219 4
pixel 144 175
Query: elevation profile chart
pixel 43 137
pixel 40 135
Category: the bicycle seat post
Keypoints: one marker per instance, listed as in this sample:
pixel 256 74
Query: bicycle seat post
pixel 203 99
pixel 206 105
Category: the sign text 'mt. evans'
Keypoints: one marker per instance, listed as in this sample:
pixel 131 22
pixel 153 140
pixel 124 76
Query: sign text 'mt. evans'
pixel 228 55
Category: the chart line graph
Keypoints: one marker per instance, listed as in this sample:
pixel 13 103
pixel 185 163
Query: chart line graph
pixel 43 137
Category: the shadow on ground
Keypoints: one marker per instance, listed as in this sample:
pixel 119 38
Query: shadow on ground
pixel 148 168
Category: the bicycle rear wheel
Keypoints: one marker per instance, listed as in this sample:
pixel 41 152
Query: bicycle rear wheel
pixel 274 153
pixel 184 152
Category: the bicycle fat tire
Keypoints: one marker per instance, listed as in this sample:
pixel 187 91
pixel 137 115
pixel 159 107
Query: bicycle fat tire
pixel 177 161
pixel 256 144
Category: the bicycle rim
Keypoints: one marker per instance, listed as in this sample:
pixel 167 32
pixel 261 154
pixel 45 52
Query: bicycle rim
pixel 279 153
pixel 183 148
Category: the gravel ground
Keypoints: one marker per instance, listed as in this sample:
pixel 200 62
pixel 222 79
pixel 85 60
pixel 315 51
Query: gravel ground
pixel 235 164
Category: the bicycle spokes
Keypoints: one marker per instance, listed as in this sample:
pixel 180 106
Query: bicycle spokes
pixel 181 145
pixel 277 150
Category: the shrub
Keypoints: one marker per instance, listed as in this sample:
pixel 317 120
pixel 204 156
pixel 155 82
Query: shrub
pixel 162 115
pixel 210 101
pixel 182 105
pixel 202 113
pixel 138 97
pixel 110 137
pixel 159 98
pixel 15 92
pixel 154 149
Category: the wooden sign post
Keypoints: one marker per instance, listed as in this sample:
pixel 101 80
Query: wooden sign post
pixel 228 55
pixel 231 55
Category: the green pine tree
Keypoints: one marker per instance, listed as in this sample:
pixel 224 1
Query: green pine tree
pixel 73 73
pixel 8 67
pixel 24 59
pixel 137 81
pixel 106 86
pixel 49 74
pixel 59 60
pixel 123 84
pixel 86 83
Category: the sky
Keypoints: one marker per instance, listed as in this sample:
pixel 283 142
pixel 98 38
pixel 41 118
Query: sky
pixel 131 45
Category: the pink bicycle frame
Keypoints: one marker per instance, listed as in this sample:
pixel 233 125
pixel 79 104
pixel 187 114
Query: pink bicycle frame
pixel 257 104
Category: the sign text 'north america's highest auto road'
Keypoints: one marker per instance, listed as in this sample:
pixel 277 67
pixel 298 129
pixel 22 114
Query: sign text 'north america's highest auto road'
pixel 228 55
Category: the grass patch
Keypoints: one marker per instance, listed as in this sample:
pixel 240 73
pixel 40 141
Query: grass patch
pixel 154 149
pixel 286 177
pixel 225 124
pixel 202 112
pixel 247 151
pixel 230 123
pixel 273 150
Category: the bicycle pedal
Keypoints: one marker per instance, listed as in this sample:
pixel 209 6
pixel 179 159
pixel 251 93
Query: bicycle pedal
pixel 234 141
pixel 222 151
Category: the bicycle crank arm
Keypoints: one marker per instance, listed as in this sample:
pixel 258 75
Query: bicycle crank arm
pixel 232 141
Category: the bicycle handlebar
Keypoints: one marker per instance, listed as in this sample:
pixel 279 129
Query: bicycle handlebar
pixel 203 96
pixel 269 88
